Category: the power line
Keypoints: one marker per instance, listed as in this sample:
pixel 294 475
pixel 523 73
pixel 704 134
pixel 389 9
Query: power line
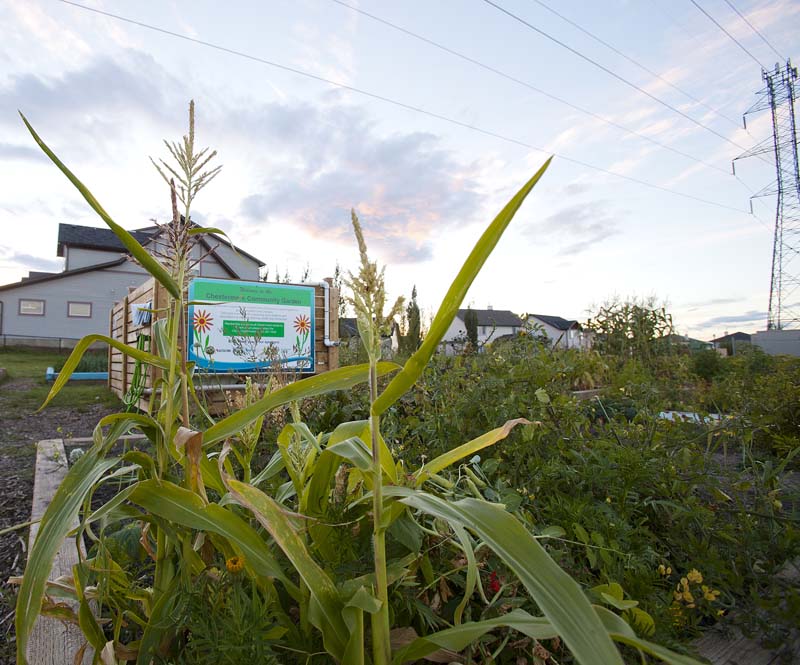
pixel 636 62
pixel 530 86
pixel 721 27
pixel 754 29
pixel 399 104
pixel 613 74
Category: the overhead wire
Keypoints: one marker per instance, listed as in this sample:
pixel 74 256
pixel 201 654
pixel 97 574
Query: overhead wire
pixel 530 86
pixel 399 104
pixel 721 27
pixel 614 74
pixel 635 62
pixel 754 29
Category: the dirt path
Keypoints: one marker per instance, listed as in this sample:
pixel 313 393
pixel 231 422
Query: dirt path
pixel 20 429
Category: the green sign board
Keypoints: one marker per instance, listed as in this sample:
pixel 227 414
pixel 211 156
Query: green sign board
pixel 236 325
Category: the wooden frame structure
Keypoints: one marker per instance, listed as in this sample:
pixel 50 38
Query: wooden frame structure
pixel 124 327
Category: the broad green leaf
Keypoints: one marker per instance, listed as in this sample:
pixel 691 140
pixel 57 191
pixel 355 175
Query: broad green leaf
pixel 469 448
pixel 558 596
pixel 159 622
pixel 137 251
pixel 181 506
pixel 460 637
pixel 273 468
pixel 337 379
pixel 354 450
pixel 554 531
pixel 453 298
pixel 80 348
pixel 56 523
pixel 620 631
pixel 324 594
pixel 207 229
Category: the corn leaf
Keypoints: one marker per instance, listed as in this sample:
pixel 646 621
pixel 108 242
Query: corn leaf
pixel 469 448
pixel 80 349
pixel 326 607
pixel 620 631
pixel 337 379
pixel 460 637
pixel 137 251
pixel 558 596
pixel 56 523
pixel 453 299
pixel 181 506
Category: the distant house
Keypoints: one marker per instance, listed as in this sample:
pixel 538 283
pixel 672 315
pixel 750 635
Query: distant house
pixel 492 324
pixel 561 333
pixel 732 342
pixel 98 272
pixel 349 335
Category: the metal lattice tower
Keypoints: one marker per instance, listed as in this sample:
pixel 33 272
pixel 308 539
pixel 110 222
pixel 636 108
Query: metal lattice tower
pixel 779 95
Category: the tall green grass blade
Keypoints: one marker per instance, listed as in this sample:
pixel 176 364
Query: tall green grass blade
pixel 337 379
pixel 460 637
pixel 469 448
pixel 328 606
pixel 453 298
pixel 80 349
pixel 56 523
pixel 556 593
pixel 137 251
pixel 181 506
pixel 158 623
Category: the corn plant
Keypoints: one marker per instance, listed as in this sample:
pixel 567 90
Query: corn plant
pixel 195 509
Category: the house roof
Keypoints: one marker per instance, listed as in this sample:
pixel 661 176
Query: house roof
pixel 494 317
pixel 46 277
pixel 92 237
pixel 737 337
pixel 556 322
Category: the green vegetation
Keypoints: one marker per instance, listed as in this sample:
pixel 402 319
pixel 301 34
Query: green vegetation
pixel 462 508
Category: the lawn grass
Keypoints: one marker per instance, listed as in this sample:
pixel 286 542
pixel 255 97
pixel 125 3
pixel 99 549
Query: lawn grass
pixel 32 364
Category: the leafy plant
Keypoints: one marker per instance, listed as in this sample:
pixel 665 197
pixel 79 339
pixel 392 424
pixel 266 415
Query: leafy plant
pixel 196 502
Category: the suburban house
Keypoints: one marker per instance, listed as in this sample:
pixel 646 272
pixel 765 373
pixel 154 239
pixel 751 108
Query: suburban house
pixel 732 342
pixel 54 308
pixel 561 333
pixel 349 335
pixel 492 324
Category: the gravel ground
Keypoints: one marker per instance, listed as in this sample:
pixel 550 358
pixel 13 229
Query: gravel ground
pixel 20 429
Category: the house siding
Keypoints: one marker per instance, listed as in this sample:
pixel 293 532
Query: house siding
pixel 79 257
pixel 101 288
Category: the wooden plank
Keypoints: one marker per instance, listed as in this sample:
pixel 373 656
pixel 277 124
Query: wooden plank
pixel 125 314
pixel 52 642
pixel 333 325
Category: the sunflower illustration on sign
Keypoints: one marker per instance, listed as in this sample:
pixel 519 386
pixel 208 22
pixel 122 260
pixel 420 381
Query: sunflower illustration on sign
pixel 201 322
pixel 302 326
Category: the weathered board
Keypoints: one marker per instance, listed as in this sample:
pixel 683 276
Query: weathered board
pixel 53 642
pixel 123 327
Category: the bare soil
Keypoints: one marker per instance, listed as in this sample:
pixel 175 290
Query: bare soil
pixel 20 429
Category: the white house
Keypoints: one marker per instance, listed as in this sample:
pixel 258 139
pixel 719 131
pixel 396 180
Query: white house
pixel 561 333
pixel 47 308
pixel 492 324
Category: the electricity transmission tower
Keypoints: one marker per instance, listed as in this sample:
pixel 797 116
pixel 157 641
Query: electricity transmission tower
pixel 779 96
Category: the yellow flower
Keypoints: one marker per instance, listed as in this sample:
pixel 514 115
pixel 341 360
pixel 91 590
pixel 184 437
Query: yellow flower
pixel 608 499
pixel 694 576
pixel 662 570
pixel 669 570
pixel 684 583
pixel 235 564
pixel 688 597
pixel 678 595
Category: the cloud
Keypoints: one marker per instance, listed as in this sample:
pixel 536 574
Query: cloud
pixel 752 316
pixel 29 261
pixel 694 306
pixel 22 153
pixel 404 186
pixel 579 227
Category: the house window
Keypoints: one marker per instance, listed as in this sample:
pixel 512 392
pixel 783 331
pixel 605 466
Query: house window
pixel 31 307
pixel 79 309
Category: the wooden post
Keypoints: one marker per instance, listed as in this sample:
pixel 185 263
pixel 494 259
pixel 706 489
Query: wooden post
pixel 111 335
pixel 333 324
pixel 124 341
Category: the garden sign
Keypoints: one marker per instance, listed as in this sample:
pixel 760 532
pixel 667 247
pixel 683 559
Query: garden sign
pixel 246 326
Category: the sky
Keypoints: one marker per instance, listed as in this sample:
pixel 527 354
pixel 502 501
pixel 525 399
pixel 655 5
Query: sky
pixel 428 170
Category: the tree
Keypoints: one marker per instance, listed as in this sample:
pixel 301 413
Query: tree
pixel 471 324
pixel 411 340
